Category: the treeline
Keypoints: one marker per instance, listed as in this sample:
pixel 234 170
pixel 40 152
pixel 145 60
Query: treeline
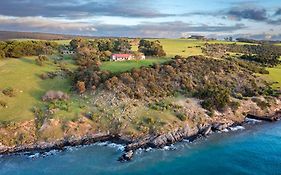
pixel 267 55
pixel 17 49
pixel 217 79
pixel 246 40
pixel 91 52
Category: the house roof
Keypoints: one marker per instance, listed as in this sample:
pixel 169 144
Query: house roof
pixel 121 55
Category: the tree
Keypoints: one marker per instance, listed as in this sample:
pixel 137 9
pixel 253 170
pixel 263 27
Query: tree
pixel 122 45
pixel 80 85
pixel 151 48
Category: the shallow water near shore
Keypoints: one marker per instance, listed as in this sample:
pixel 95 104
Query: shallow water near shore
pixel 254 150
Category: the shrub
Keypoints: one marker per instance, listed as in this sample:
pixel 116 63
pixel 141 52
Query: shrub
pixel 55 95
pixel 2 54
pixel 40 116
pixel 3 104
pixel 80 85
pixel 41 59
pixel 59 104
pixel 181 116
pixel 44 76
pixel 234 105
pixel 9 92
pixel 214 96
pixel 261 103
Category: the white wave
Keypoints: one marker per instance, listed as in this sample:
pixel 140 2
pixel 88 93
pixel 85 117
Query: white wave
pixel 49 153
pixel 35 155
pixel 102 143
pixel 236 128
pixel 252 121
pixel 186 140
pixel 119 147
pixel 225 130
pixel 171 147
pixel 148 149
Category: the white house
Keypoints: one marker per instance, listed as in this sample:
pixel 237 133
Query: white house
pixel 125 57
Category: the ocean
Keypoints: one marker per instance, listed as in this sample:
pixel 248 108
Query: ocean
pixel 255 150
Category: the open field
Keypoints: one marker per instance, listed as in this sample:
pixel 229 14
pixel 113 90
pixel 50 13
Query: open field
pixel 23 76
pixel 123 66
pixel 274 76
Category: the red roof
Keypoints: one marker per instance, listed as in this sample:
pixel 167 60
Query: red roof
pixel 121 55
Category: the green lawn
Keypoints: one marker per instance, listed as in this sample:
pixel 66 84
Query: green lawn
pixel 122 66
pixel 274 76
pixel 23 75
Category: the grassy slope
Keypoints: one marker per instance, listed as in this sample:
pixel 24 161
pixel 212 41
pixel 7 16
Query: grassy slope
pixel 22 75
pixel 275 76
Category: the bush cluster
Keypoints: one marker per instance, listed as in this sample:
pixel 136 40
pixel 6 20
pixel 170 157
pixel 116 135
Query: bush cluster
pixel 264 54
pixel 17 49
pixel 3 104
pixel 151 48
pixel 55 95
pixel 9 92
pixel 41 59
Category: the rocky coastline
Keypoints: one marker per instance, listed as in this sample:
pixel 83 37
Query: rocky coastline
pixel 152 141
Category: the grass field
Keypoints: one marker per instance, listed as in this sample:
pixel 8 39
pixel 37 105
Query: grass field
pixel 122 66
pixel 23 76
pixel 275 76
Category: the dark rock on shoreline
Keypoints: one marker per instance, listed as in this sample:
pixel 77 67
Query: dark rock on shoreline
pixel 127 156
pixel 58 145
pixel 153 141
pixel 273 118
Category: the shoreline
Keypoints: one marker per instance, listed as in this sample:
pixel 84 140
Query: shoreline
pixel 152 141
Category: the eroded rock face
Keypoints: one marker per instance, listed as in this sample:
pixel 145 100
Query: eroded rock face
pixel 172 137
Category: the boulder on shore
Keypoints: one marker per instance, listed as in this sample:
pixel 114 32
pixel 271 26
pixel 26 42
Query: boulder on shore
pixel 127 156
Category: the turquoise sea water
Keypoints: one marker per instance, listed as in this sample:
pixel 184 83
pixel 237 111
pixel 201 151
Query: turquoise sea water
pixel 255 150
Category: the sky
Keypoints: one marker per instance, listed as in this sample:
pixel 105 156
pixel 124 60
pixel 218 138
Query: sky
pixel 257 19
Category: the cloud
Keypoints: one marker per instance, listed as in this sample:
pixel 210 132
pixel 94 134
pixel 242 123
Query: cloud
pixel 172 29
pixel 256 14
pixel 238 13
pixel 146 29
pixel 278 12
pixel 40 24
pixel 79 8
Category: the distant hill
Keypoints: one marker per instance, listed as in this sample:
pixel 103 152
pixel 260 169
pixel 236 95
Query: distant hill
pixel 7 35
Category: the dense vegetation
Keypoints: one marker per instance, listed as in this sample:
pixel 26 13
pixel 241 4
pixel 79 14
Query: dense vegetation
pixel 267 55
pixel 211 80
pixel 17 49
pixel 151 48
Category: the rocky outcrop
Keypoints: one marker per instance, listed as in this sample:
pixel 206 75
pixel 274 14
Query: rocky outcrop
pixel 271 118
pixel 57 145
pixel 127 156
